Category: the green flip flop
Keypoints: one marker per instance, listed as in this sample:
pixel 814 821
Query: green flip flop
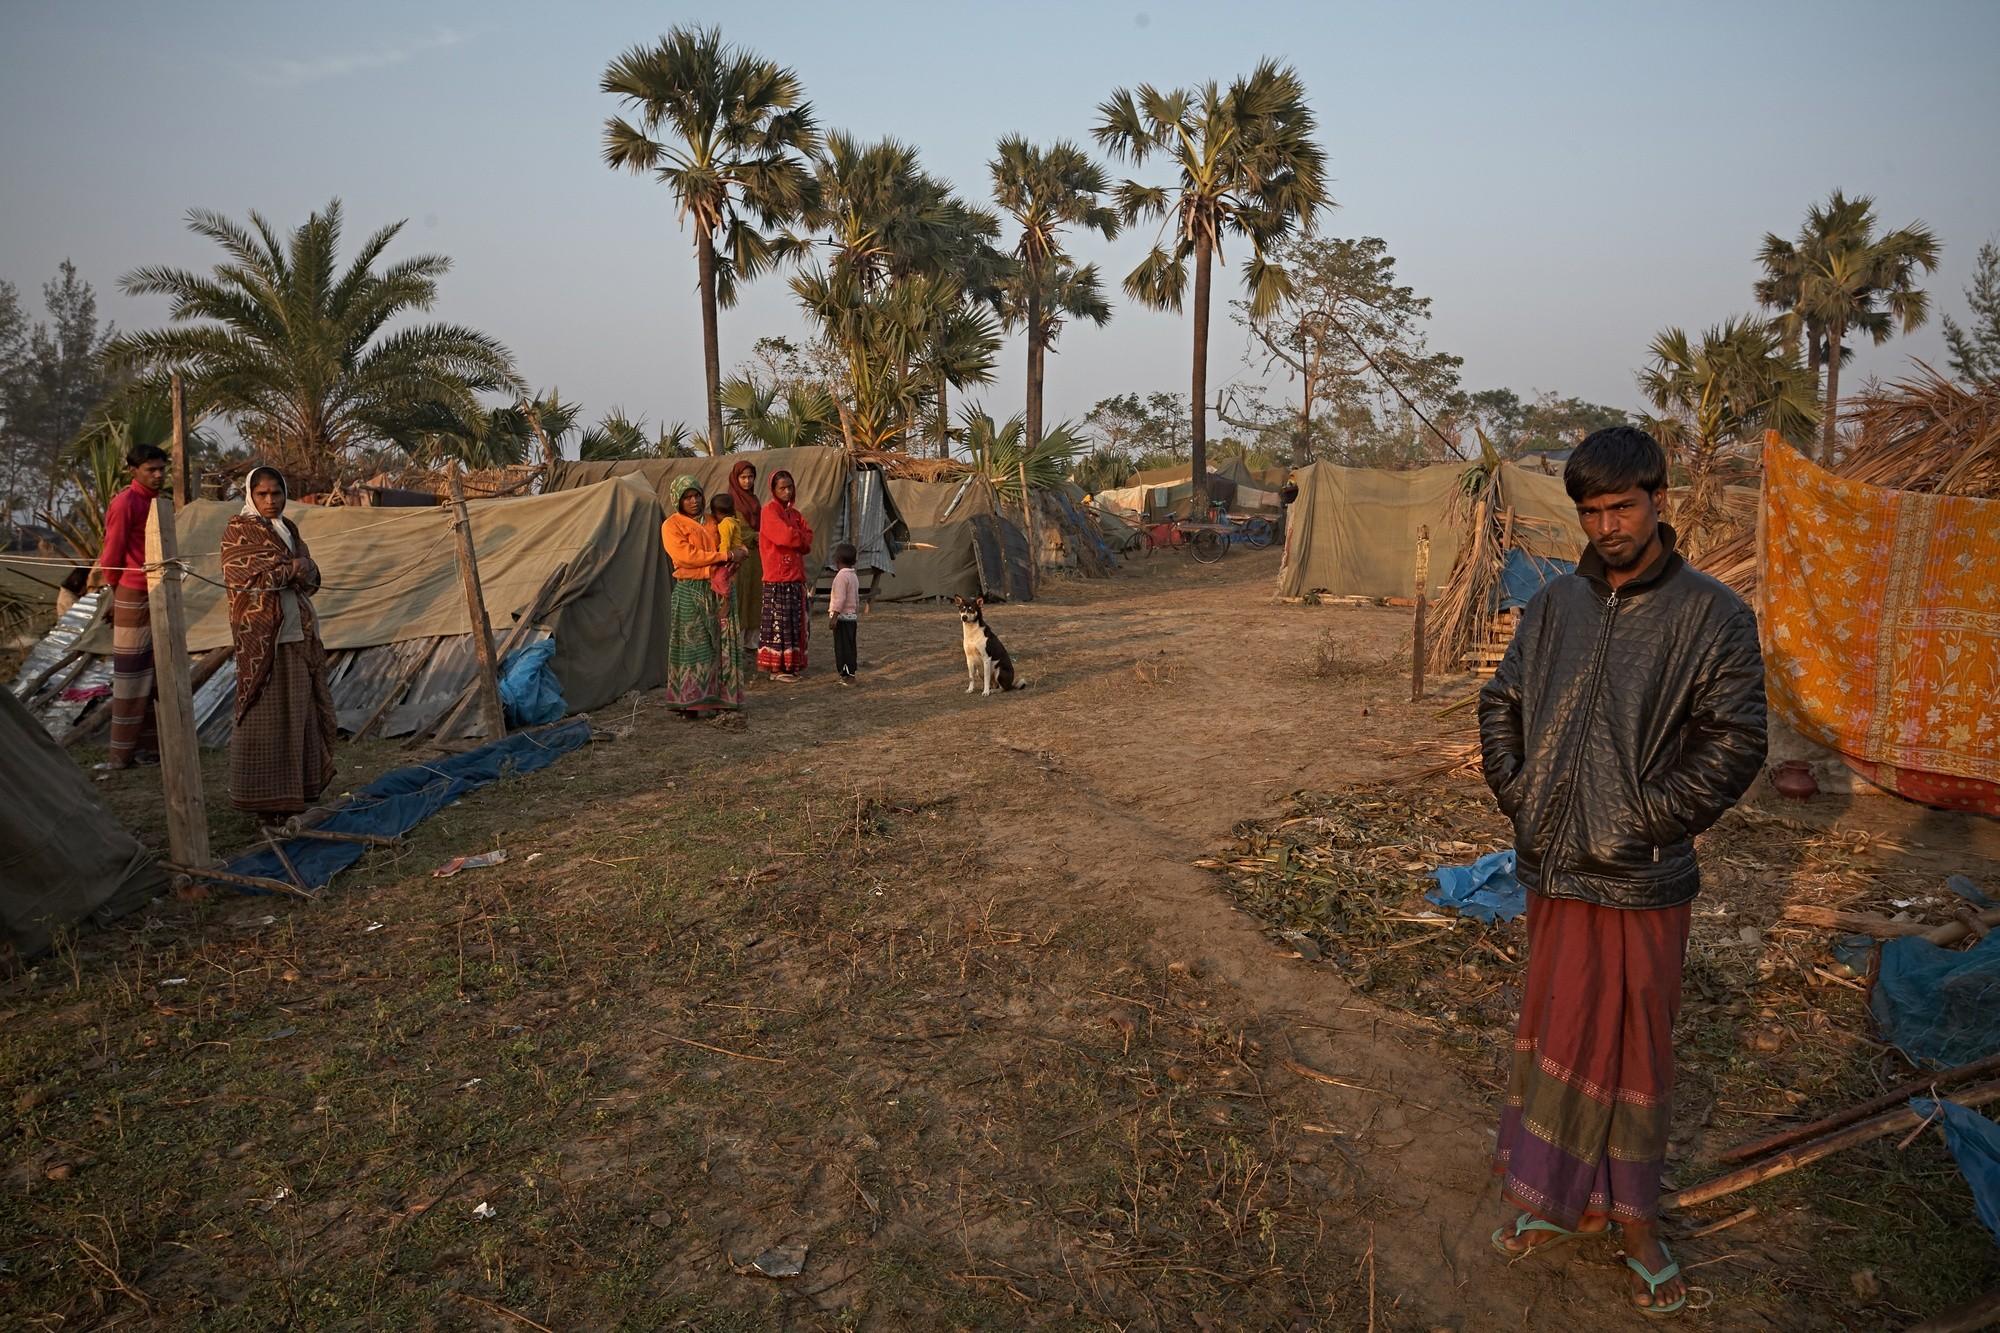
pixel 1523 1224
pixel 1654 1281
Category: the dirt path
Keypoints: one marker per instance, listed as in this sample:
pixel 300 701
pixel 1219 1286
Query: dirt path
pixel 924 980
pixel 1164 706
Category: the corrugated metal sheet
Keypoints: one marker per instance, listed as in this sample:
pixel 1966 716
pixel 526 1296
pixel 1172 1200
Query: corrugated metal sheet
pixel 55 645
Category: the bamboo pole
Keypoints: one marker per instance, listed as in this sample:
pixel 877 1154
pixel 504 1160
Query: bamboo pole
pixel 1805 1154
pixel 180 755
pixel 1893 1098
pixel 177 401
pixel 1418 648
pixel 487 673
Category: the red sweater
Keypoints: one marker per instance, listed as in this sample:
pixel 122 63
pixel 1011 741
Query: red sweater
pixel 123 559
pixel 783 539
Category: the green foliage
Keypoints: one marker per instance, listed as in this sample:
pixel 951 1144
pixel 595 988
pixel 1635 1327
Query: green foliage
pixel 51 377
pixel 618 437
pixel 999 449
pixel 1515 428
pixel 1343 325
pixel 1839 275
pixel 728 132
pixel 1247 168
pixel 1132 428
pixel 1975 349
pixel 296 352
pixel 1723 392
pixel 791 417
pixel 903 296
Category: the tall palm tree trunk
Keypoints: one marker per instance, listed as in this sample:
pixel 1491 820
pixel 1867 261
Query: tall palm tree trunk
pixel 1034 422
pixel 1832 393
pixel 711 353
pixel 1198 446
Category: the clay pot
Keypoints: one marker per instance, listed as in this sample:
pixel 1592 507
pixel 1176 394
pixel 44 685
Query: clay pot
pixel 1794 780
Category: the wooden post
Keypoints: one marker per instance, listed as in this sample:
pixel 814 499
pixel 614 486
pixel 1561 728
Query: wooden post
pixel 177 401
pixel 1418 648
pixel 180 753
pixel 475 613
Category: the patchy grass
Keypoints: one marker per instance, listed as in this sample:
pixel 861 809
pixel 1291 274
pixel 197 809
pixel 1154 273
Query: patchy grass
pixel 714 1014
pixel 1770 1032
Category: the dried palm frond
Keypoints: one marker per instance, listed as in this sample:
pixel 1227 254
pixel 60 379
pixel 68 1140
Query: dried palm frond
pixel 1928 433
pixel 898 466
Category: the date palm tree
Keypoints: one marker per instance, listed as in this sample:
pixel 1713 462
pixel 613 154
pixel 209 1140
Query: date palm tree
pixel 728 132
pixel 1737 382
pixel 292 349
pixel 1246 167
pixel 1046 190
pixel 1839 275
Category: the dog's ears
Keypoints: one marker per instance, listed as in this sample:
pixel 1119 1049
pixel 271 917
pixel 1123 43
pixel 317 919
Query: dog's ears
pixel 979 601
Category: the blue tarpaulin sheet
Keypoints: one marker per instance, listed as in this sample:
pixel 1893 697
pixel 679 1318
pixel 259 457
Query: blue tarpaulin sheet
pixel 403 798
pixel 1975 1142
pixel 1940 1007
pixel 1486 890
pixel 529 690
pixel 1523 576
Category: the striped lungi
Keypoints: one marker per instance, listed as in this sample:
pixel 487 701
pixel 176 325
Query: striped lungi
pixel 132 689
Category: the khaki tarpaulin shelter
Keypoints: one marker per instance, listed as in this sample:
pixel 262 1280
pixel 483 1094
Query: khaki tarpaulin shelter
pixel 63 858
pixel 829 485
pixel 1353 531
pixel 963 543
pixel 392 602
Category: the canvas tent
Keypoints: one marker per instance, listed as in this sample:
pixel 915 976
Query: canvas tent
pixel 961 544
pixel 63 858
pixel 392 609
pixel 830 488
pixel 1353 531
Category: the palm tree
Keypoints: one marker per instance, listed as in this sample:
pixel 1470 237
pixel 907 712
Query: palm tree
pixel 908 265
pixel 1839 275
pixel 1042 305
pixel 736 127
pixel 619 437
pixel 1000 450
pixel 292 350
pixel 1738 382
pixel 798 416
pixel 1248 167
pixel 1045 191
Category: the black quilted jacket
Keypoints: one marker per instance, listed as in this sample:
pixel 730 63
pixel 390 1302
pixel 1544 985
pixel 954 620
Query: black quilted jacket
pixel 1619 725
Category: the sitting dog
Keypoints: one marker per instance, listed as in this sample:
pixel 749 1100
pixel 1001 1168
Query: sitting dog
pixel 983 649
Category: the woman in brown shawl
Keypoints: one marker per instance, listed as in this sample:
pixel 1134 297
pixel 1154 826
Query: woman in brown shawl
pixel 749 594
pixel 281 757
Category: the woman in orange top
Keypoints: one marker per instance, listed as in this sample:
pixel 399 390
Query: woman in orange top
pixel 703 677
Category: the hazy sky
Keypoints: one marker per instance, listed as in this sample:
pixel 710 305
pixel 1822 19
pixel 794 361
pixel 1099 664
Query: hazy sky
pixel 1563 180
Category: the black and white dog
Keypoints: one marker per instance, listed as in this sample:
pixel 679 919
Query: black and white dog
pixel 983 649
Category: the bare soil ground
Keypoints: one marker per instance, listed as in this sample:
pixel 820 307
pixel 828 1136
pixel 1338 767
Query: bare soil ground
pixel 925 982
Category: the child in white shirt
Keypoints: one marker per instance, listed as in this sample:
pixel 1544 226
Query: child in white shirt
pixel 844 608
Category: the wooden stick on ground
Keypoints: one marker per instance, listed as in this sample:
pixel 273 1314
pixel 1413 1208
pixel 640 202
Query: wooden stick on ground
pixel 1895 1097
pixel 213 876
pixel 1807 1153
pixel 1869 923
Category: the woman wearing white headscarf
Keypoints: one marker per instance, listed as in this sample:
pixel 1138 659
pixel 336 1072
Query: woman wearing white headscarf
pixel 281 756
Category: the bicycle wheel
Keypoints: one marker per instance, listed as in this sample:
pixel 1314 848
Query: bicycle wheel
pixel 1209 547
pixel 1259 536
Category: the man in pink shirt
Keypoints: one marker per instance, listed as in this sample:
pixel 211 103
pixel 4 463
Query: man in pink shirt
pixel 844 608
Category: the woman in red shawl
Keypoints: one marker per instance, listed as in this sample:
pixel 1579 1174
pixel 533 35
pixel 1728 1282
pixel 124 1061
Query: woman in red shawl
pixel 749 592
pixel 281 755
pixel 783 540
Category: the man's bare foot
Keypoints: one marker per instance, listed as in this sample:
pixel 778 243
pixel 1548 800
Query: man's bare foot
pixel 1515 1241
pixel 1642 1242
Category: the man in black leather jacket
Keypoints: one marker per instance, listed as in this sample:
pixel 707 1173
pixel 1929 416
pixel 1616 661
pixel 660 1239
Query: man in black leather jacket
pixel 1626 717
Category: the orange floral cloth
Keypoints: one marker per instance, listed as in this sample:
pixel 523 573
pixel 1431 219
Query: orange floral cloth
pixel 1881 621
